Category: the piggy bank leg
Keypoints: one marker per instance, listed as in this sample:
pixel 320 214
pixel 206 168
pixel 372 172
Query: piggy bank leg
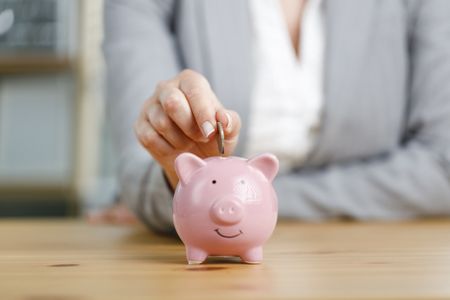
pixel 195 255
pixel 253 255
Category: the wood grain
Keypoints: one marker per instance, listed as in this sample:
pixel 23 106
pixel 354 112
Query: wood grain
pixel 73 260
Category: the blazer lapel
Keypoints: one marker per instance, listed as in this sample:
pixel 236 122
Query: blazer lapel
pixel 348 27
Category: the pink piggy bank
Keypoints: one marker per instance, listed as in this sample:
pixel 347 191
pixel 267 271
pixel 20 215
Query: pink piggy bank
pixel 225 206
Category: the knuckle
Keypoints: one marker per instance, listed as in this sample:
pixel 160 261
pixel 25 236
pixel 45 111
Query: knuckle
pixel 186 73
pixel 201 80
pixel 161 123
pixel 194 93
pixel 195 77
pixel 149 140
pixel 171 105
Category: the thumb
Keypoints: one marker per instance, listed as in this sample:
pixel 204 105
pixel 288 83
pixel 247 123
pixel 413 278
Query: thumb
pixel 231 126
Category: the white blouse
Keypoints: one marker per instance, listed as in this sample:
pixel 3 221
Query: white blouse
pixel 287 94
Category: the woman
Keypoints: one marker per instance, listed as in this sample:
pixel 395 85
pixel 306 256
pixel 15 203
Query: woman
pixel 352 96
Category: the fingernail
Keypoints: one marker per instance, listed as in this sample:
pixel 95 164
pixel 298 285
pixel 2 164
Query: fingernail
pixel 228 121
pixel 207 129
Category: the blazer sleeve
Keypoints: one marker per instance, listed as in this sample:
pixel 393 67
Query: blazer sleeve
pixel 412 180
pixel 139 51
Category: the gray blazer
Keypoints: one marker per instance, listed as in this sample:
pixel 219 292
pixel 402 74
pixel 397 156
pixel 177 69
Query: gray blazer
pixel 384 146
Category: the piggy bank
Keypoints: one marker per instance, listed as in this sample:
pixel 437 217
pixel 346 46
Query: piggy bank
pixel 225 206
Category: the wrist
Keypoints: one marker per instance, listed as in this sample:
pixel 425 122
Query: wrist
pixel 170 178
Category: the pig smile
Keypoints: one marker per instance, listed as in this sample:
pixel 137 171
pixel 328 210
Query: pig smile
pixel 228 236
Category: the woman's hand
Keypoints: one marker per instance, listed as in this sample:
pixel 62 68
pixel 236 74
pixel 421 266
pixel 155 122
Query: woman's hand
pixel 181 116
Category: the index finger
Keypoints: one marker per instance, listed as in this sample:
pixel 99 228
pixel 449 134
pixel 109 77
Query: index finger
pixel 202 101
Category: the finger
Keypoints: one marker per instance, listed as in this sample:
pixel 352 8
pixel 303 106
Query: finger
pixel 167 128
pixel 201 99
pixel 176 106
pixel 231 123
pixel 150 139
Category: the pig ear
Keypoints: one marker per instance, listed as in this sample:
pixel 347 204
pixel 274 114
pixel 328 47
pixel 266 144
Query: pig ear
pixel 267 163
pixel 186 164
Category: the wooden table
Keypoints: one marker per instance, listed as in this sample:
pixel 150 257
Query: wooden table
pixel 71 260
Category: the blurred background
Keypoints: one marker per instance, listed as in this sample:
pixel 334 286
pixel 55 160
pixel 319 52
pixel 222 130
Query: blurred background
pixel 55 152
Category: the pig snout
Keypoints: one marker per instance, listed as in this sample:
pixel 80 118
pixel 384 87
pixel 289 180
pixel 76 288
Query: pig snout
pixel 227 211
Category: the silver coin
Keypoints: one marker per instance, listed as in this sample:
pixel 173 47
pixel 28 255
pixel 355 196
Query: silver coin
pixel 220 138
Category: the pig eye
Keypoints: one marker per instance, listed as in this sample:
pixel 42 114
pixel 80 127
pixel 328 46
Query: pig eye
pixel 214 181
pixel 242 181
